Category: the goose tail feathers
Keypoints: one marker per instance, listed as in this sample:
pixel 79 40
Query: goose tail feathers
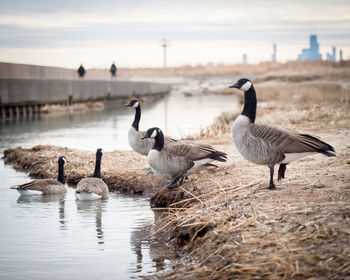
pixel 322 147
pixel 219 156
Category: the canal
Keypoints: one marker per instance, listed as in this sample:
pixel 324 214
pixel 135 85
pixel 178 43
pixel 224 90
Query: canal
pixel 54 237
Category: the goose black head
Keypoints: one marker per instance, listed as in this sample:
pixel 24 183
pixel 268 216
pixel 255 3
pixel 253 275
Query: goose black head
pixel 133 103
pixel 99 152
pixel 242 84
pixel 62 160
pixel 151 133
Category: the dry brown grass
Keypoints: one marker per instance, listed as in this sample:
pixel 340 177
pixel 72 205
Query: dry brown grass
pixel 76 107
pixel 293 71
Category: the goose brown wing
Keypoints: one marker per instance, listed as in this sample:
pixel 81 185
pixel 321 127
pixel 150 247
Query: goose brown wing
pixel 92 185
pixel 39 184
pixel 189 151
pixel 286 140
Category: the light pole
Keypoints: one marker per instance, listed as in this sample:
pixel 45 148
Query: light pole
pixel 164 46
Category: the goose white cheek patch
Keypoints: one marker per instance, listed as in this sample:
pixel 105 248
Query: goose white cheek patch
pixel 246 86
pixel 154 134
pixel 135 105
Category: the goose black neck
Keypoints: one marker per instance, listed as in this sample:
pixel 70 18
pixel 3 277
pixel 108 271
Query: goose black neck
pixel 137 118
pixel 159 141
pixel 61 172
pixel 250 102
pixel 97 172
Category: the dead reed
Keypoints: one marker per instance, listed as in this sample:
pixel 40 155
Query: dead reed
pixel 301 71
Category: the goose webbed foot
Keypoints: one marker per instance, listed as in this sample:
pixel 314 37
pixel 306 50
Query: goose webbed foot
pixel 270 187
pixel 175 181
pixel 172 184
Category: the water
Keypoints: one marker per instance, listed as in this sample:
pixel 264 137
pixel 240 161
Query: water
pixel 177 115
pixel 56 237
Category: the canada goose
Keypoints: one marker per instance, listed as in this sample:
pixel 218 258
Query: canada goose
pixel 134 135
pixel 46 186
pixel 177 160
pixel 270 145
pixel 93 188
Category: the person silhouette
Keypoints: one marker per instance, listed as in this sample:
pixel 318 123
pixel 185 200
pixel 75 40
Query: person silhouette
pixel 81 71
pixel 113 71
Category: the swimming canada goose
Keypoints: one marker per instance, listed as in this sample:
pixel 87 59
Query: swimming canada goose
pixel 267 144
pixel 177 160
pixel 94 187
pixel 134 135
pixel 46 186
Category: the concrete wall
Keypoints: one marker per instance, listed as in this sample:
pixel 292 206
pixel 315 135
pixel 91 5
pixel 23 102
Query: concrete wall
pixel 25 71
pixel 41 91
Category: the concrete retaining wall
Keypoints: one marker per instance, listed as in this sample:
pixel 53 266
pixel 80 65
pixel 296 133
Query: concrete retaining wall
pixel 42 91
pixel 24 71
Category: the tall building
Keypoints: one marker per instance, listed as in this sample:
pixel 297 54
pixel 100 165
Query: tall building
pixel 312 53
pixel 332 57
pixel 341 55
pixel 245 59
pixel 274 54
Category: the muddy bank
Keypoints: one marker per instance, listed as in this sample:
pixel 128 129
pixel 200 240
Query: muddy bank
pixel 121 170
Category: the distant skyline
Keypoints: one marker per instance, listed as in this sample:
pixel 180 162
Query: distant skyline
pixel 66 33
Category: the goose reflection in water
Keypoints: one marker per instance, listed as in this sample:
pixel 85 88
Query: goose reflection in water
pixel 96 207
pixel 158 252
pixel 60 198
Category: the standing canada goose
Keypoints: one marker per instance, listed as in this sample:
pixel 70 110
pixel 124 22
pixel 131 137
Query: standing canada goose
pixel 93 188
pixel 270 145
pixel 46 186
pixel 134 135
pixel 177 160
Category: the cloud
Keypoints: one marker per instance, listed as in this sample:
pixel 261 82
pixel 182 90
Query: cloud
pixel 198 24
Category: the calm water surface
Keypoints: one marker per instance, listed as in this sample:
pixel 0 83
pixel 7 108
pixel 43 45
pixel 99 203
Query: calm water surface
pixel 56 237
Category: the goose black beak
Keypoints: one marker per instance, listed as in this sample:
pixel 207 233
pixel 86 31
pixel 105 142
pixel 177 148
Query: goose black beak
pixel 234 86
pixel 145 136
pixel 127 105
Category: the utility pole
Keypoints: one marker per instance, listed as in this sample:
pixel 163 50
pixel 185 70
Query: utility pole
pixel 164 46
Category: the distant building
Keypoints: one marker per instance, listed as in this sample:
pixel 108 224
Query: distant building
pixel 312 53
pixel 332 57
pixel 245 59
pixel 274 54
pixel 341 55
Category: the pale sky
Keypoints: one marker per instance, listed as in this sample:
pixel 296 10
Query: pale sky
pixel 66 33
